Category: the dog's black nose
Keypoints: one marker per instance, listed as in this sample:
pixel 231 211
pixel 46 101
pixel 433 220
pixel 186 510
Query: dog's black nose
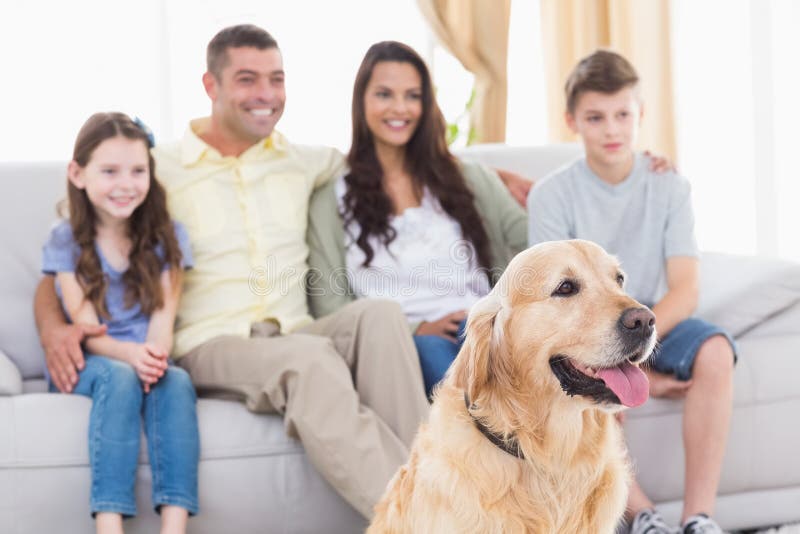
pixel 638 322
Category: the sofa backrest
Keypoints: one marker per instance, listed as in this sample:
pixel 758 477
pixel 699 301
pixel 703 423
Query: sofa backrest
pixel 533 162
pixel 27 212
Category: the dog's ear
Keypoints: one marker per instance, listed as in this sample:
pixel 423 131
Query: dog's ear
pixel 477 361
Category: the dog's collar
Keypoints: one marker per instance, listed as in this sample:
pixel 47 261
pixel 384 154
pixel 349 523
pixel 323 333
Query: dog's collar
pixel 511 445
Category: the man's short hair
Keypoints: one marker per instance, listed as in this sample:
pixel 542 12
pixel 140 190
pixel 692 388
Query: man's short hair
pixel 235 37
pixel 603 71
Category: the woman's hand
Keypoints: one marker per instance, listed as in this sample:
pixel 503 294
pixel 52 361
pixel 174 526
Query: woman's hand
pixel 446 327
pixel 149 362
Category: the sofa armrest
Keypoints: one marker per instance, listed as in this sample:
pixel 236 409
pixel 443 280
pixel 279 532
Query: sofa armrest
pixel 10 378
pixel 739 293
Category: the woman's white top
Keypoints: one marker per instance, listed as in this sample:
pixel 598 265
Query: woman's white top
pixel 429 268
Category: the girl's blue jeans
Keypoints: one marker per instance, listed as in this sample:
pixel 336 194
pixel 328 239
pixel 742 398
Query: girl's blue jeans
pixel 435 356
pixel 170 422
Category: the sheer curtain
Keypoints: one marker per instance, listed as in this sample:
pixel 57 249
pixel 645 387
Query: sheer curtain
pixel 476 32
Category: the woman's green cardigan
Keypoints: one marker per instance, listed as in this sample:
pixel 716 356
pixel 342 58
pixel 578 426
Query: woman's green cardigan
pixel 506 224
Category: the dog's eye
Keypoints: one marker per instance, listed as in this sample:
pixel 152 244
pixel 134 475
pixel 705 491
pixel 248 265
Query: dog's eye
pixel 620 279
pixel 566 288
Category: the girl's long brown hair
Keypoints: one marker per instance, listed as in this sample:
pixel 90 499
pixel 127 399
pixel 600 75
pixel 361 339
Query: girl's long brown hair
pixel 148 227
pixel 427 159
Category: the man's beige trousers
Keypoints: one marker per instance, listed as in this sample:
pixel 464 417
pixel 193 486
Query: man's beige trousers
pixel 349 386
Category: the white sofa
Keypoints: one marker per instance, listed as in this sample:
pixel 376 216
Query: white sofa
pixel 253 479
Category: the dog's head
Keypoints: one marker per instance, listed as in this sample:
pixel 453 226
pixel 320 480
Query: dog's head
pixel 558 320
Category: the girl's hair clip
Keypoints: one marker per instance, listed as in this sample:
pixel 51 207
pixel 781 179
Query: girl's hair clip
pixel 151 140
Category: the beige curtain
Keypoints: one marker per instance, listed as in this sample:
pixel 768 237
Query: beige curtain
pixel 476 33
pixel 637 29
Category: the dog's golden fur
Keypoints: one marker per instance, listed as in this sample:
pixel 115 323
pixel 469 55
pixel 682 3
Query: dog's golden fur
pixel 574 476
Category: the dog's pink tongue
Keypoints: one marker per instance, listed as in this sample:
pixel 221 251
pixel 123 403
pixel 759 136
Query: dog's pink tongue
pixel 628 382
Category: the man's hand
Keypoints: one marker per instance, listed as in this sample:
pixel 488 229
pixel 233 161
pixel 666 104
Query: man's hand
pixel 517 185
pixel 660 164
pixel 446 327
pixel 667 386
pixel 149 362
pixel 63 353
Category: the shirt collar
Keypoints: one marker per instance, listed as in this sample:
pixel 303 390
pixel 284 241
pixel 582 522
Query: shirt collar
pixel 194 149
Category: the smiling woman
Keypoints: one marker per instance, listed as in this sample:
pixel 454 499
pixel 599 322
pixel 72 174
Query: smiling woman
pixel 408 209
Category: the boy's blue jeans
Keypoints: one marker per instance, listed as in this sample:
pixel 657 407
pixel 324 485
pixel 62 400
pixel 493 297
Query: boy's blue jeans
pixel 435 356
pixel 170 423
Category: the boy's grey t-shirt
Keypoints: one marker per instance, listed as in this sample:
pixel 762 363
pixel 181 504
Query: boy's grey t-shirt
pixel 643 220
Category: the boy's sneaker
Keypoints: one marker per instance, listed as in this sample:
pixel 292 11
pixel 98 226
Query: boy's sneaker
pixel 649 521
pixel 701 524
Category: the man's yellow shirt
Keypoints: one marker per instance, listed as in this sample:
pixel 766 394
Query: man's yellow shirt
pixel 246 217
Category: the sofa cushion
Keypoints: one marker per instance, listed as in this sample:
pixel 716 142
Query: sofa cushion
pixel 10 379
pixel 252 477
pixel 740 293
pixel 766 372
pixel 49 429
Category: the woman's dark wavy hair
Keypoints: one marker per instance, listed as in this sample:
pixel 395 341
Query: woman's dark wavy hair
pixel 427 160
pixel 148 226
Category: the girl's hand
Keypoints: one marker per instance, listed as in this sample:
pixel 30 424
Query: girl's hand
pixel 149 362
pixel 446 327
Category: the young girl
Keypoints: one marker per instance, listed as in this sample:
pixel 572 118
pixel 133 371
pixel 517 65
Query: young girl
pixel 409 221
pixel 118 262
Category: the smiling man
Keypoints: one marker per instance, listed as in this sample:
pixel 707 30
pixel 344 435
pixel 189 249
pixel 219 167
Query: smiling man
pixel 348 385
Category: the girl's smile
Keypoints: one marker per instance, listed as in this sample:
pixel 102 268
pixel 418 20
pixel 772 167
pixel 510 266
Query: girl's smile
pixel 116 178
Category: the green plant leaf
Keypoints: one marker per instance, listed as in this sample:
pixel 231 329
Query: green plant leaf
pixel 452 133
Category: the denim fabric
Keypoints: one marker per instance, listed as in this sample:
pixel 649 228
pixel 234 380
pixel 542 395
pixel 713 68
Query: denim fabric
pixel 435 356
pixel 678 350
pixel 170 423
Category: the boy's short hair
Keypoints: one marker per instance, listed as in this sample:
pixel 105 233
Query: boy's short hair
pixel 603 71
pixel 235 37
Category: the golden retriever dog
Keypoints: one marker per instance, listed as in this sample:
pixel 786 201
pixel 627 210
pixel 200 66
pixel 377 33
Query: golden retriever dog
pixel 522 436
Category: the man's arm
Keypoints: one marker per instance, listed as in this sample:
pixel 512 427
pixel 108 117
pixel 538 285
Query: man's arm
pixel 83 312
pixel 162 321
pixel 149 362
pixel 517 185
pixel 60 340
pixel 680 301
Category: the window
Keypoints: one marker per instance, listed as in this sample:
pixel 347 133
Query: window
pixel 736 105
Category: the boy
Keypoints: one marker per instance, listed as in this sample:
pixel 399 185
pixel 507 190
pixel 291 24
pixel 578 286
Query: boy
pixel 646 220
